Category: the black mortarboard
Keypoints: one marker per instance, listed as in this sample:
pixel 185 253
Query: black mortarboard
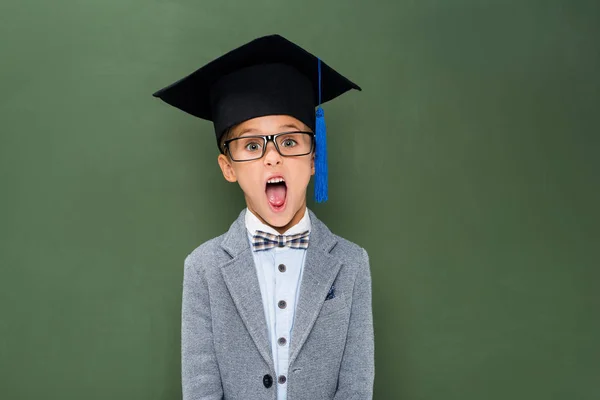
pixel 267 76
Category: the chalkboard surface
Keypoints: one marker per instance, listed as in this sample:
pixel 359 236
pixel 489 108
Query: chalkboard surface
pixel 468 168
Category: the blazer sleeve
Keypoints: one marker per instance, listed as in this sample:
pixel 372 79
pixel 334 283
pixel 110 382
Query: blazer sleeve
pixel 200 376
pixel 357 370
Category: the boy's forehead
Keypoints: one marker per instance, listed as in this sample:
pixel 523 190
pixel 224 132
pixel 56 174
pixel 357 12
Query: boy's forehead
pixel 269 124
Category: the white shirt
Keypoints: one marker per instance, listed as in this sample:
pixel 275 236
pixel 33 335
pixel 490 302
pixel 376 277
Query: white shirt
pixel 279 272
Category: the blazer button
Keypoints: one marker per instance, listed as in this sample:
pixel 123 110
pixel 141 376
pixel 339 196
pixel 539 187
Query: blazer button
pixel 281 268
pixel 281 379
pixel 268 381
pixel 282 304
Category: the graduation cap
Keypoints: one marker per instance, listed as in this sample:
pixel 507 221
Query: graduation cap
pixel 267 76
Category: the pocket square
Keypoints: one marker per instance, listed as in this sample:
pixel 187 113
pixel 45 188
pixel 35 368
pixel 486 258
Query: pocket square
pixel 331 293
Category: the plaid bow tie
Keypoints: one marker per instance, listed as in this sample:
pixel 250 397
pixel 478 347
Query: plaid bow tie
pixel 265 241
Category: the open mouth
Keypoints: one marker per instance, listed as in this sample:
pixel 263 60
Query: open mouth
pixel 276 191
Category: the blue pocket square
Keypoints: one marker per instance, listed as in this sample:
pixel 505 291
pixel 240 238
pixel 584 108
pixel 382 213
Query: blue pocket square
pixel 331 293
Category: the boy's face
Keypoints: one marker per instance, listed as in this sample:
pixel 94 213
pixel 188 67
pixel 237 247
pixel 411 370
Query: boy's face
pixel 279 205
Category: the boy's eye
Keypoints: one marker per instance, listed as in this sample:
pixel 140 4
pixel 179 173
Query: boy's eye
pixel 253 146
pixel 289 143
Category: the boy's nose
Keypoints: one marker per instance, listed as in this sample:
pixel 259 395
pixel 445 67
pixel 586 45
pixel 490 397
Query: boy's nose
pixel 272 156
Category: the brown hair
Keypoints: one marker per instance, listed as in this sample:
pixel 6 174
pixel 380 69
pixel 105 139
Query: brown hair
pixel 228 134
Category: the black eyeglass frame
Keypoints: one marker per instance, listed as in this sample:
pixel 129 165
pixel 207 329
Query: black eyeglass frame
pixel 266 139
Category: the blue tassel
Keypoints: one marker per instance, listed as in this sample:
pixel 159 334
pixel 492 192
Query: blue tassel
pixel 321 152
pixel 321 188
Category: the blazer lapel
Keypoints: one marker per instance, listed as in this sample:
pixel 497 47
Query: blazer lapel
pixel 320 270
pixel 240 277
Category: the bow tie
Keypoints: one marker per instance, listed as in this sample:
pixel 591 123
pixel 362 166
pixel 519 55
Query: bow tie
pixel 265 241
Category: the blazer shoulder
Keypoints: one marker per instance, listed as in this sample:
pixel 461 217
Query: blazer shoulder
pixel 208 254
pixel 347 250
pixel 342 248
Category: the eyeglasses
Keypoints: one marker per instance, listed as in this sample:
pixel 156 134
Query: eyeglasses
pixel 288 144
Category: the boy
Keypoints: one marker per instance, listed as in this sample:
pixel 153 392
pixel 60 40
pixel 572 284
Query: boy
pixel 278 307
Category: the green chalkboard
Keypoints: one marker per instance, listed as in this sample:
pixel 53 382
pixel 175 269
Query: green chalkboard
pixel 468 168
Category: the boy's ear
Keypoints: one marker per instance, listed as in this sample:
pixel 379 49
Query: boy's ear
pixel 227 168
pixel 312 164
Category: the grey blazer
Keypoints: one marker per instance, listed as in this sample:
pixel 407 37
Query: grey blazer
pixel 226 352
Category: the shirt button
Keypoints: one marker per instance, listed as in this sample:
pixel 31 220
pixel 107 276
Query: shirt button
pixel 282 304
pixel 281 268
pixel 267 381
pixel 281 341
pixel 281 379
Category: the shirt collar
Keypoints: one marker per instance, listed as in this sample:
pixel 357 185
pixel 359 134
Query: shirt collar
pixel 253 224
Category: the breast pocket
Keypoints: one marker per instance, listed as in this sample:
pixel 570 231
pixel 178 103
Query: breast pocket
pixel 333 306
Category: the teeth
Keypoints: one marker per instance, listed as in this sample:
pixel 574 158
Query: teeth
pixel 275 180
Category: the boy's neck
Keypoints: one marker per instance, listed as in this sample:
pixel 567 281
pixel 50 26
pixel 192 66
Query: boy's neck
pixel 282 229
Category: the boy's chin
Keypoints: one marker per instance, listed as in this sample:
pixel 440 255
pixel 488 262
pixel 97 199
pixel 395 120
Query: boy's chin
pixel 278 220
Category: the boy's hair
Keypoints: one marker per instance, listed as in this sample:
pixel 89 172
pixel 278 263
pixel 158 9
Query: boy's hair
pixel 228 134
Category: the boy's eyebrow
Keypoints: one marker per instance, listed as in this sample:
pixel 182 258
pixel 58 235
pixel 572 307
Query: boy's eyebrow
pixel 256 132
pixel 247 130
pixel 291 126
